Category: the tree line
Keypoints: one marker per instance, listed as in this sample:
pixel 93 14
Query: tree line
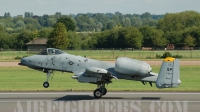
pixel 97 30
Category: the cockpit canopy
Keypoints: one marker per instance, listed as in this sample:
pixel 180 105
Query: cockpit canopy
pixel 51 51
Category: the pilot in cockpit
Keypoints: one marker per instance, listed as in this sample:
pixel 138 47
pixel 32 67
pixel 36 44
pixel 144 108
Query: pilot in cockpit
pixel 53 52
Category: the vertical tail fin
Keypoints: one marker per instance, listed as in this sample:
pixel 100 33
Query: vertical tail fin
pixel 169 75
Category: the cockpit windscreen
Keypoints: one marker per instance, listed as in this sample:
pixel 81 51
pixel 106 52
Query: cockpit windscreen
pixel 51 51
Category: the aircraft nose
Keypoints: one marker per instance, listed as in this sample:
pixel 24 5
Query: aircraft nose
pixel 23 61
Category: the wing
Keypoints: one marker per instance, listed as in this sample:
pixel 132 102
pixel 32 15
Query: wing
pixel 94 75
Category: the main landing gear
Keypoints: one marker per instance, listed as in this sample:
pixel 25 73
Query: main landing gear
pixel 100 91
pixel 46 84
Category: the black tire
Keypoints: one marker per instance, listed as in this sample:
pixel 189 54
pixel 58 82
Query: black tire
pixel 105 91
pixel 97 93
pixel 45 84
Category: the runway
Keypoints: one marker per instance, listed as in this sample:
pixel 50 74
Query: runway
pixel 111 102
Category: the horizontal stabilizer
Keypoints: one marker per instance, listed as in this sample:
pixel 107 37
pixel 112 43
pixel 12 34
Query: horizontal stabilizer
pixel 169 75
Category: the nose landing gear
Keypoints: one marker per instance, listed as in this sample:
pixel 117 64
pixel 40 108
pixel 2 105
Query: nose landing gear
pixel 46 84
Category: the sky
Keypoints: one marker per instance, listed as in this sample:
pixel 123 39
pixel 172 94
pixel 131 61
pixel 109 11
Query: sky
pixel 41 7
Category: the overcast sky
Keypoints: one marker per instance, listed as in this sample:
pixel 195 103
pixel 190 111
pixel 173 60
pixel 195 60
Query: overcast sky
pixel 40 7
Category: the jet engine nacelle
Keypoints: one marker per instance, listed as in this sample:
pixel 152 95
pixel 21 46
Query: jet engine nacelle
pixel 132 67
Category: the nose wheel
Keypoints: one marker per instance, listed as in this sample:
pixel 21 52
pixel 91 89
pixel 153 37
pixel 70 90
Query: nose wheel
pixel 46 84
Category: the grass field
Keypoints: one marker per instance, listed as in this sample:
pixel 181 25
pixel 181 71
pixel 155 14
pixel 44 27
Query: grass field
pixel 109 54
pixel 25 79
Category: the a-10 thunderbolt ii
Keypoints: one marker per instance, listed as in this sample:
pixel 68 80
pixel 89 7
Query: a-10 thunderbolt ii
pixel 100 73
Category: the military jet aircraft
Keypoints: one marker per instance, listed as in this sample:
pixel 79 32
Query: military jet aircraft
pixel 92 71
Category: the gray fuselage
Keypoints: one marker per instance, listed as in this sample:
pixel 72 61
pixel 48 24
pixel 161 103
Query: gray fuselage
pixel 77 64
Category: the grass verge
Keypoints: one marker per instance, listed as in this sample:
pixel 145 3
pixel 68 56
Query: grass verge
pixel 108 54
pixel 26 79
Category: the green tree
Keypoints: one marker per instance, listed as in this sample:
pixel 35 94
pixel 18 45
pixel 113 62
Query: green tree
pixel 194 32
pixel 6 41
pixel 92 42
pixel 147 33
pixel 189 41
pixel 153 37
pixel 133 37
pixel 74 40
pixel 102 39
pixel 146 15
pixel 17 18
pixel 85 23
pixel 68 22
pixel 99 17
pixel 33 22
pixel 136 21
pixel 157 39
pixel 43 20
pixel 30 27
pixel 44 33
pixel 27 14
pixel 179 21
pixel 20 24
pixel 58 37
pixel 110 25
pixel 24 37
pixel 51 22
pixel 174 37
pixel 7 23
pixel 3 40
pixel 2 28
pixel 112 38
pixel 121 41
pixel 34 34
pixel 99 27
pixel 152 22
pixel 127 22
pixel 7 15
pixel 84 44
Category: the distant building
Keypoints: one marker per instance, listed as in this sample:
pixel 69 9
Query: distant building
pixel 37 44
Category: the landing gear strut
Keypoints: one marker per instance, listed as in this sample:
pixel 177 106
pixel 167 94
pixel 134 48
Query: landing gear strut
pixel 100 91
pixel 46 84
